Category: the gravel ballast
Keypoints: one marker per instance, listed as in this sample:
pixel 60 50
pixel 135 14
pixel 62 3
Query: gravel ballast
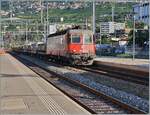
pixel 127 98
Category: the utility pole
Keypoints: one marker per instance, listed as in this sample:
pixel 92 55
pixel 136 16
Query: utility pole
pixel 47 20
pixel 26 34
pixel 141 10
pixel 149 30
pixel 100 37
pixel 86 23
pixel 100 30
pixel 37 27
pixel 44 39
pixel 41 11
pixel 112 11
pixel 0 28
pixel 93 16
pixel 1 34
pixel 11 11
pixel 113 20
pixel 133 56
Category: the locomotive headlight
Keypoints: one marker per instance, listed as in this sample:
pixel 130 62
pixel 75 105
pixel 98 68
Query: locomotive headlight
pixel 74 50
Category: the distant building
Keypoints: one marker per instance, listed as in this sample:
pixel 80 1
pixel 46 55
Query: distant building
pixel 119 26
pixel 52 29
pixel 108 28
pixel 141 12
pixel 4 13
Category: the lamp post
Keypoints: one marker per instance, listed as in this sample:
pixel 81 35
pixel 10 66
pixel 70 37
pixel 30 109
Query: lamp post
pixel 47 20
pixel 61 19
pixel 18 29
pixel 100 36
pixel 112 10
pixel 37 30
pixel 45 31
pixel 133 47
pixel 41 11
pixel 5 29
pixel 94 16
pixel 26 34
pixel 0 28
pixel 3 34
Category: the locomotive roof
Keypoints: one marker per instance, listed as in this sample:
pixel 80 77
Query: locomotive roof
pixel 68 30
pixel 58 33
pixel 80 30
pixel 63 31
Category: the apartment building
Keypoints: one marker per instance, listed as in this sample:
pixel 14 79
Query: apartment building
pixel 142 12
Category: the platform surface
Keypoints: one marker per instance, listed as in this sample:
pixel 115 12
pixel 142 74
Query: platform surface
pixel 24 92
pixel 141 63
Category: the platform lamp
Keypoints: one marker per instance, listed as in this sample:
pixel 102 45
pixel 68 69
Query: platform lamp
pixel 100 36
pixel 18 29
pixel 134 30
pixel 4 32
pixel 61 19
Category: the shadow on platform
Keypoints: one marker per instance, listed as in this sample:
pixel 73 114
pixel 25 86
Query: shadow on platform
pixel 17 75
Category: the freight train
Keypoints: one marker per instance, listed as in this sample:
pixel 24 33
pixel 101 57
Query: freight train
pixel 73 46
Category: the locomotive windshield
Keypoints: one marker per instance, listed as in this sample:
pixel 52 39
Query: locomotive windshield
pixel 75 39
pixel 87 39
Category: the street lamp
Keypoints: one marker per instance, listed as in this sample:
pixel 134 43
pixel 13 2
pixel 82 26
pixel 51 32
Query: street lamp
pixel 0 28
pixel 3 35
pixel 100 36
pixel 133 55
pixel 61 19
pixel 94 16
pixel 47 19
pixel 41 11
pixel 26 33
pixel 18 28
pixel 5 28
pixel 134 30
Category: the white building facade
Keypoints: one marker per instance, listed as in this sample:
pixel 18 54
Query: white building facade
pixel 142 12
pixel 107 28
pixel 110 27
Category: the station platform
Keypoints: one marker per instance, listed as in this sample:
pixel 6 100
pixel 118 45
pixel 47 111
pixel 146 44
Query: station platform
pixel 142 64
pixel 24 92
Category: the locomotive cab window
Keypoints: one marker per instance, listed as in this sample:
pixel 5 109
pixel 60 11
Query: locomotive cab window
pixel 87 39
pixel 75 39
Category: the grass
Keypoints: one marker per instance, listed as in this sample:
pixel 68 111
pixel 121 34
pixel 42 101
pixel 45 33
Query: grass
pixel 124 55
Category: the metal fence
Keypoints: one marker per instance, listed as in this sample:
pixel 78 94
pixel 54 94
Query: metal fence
pixel 122 51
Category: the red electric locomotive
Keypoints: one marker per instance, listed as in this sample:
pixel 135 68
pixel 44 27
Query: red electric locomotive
pixel 75 46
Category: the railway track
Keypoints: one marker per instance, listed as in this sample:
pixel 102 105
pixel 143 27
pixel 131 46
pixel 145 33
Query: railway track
pixel 135 76
pixel 118 75
pixel 92 100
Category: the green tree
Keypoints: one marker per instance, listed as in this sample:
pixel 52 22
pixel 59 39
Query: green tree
pixel 105 40
pixel 139 25
pixel 140 37
pixel 11 27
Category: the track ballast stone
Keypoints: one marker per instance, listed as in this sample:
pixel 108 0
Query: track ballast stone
pixel 127 98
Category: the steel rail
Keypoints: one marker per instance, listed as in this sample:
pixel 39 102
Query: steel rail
pixel 124 1
pixel 118 75
pixel 98 93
